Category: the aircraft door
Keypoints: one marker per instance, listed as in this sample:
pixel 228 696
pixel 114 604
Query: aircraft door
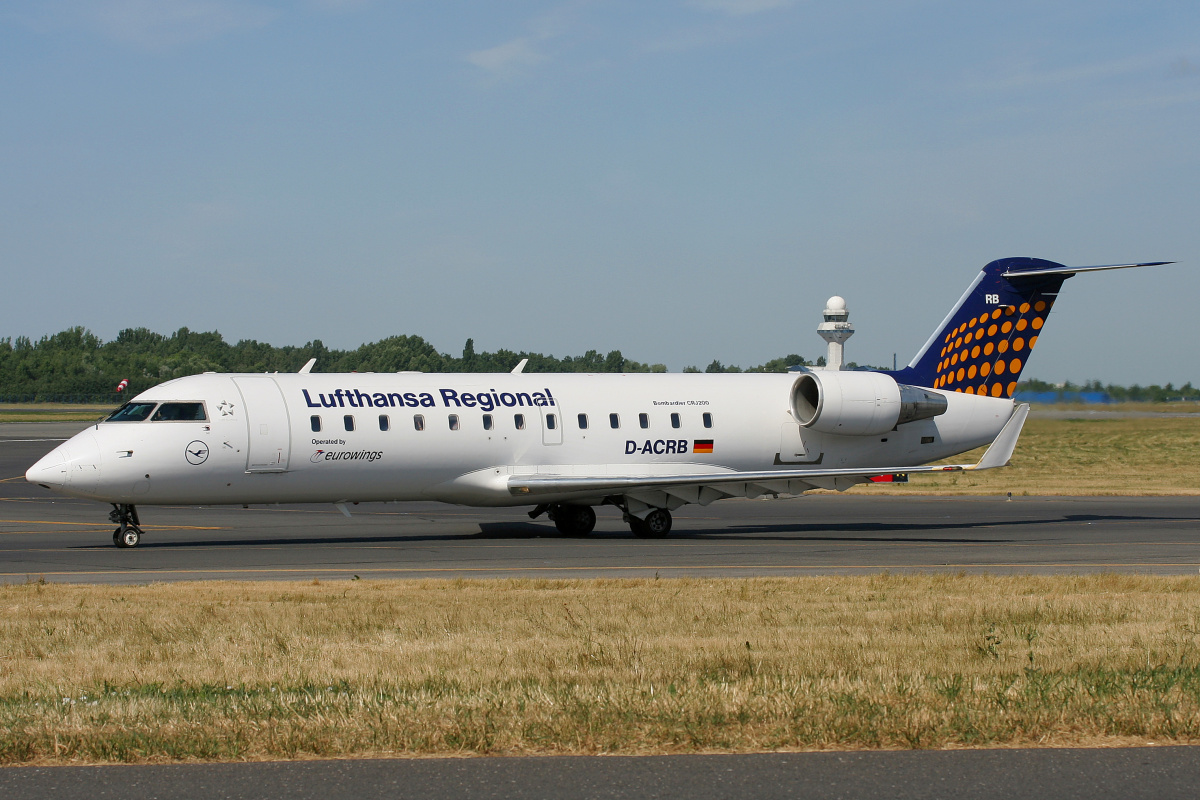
pixel 552 425
pixel 267 419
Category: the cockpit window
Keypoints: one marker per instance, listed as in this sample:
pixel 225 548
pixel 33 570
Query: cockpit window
pixel 131 412
pixel 180 412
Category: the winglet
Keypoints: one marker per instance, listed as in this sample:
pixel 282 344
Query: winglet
pixel 307 368
pixel 519 368
pixel 1002 447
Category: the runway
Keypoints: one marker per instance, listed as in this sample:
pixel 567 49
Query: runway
pixel 46 536
pixel 1161 773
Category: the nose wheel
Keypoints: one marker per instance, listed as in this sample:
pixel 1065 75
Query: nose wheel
pixel 128 532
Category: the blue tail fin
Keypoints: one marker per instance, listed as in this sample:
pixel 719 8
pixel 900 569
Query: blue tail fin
pixel 983 344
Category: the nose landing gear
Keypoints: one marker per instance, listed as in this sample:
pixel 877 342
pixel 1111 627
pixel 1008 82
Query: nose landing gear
pixel 128 532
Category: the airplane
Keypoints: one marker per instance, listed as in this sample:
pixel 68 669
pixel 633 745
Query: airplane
pixel 567 443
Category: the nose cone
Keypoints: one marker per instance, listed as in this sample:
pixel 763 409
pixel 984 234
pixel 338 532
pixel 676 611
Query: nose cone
pixel 74 464
pixel 51 470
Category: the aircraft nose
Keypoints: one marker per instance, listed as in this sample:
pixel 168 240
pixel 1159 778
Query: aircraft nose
pixel 74 464
pixel 51 470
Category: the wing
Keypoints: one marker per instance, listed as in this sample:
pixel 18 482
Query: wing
pixel 703 488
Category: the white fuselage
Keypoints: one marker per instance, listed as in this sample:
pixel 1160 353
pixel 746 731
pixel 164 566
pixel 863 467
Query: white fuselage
pixel 257 443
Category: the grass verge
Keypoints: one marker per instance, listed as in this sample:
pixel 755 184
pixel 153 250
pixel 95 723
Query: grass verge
pixel 1141 456
pixel 217 671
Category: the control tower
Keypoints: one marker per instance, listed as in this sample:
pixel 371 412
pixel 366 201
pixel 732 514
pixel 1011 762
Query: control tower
pixel 835 330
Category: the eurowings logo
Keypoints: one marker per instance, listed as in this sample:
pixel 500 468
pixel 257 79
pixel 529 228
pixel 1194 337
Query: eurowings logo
pixel 370 456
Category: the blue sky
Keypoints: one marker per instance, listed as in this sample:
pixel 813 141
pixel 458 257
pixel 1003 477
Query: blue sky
pixel 682 181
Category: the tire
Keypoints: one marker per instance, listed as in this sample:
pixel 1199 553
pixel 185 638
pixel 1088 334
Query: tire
pixel 575 520
pixel 117 538
pixel 128 538
pixel 656 525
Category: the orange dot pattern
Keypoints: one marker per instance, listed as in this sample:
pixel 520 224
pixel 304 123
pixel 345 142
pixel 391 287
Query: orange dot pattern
pixel 984 354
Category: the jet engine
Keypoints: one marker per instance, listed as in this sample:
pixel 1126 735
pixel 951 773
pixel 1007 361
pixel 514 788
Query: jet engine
pixel 860 403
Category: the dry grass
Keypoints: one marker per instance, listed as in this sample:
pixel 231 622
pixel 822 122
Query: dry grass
pixel 1144 456
pixel 252 671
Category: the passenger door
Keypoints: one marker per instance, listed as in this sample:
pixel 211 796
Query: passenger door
pixel 269 426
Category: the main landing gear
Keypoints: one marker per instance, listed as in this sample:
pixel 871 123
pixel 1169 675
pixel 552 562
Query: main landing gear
pixel 128 532
pixel 572 520
pixel 655 525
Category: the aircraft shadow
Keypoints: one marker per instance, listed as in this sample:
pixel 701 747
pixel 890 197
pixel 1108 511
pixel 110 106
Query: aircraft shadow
pixel 806 531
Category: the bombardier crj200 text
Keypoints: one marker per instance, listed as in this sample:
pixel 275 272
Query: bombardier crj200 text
pixel 645 443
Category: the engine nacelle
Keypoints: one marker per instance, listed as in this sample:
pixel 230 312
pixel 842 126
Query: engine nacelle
pixel 860 403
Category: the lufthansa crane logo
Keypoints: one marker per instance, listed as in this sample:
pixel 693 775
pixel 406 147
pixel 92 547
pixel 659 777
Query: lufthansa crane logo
pixel 196 452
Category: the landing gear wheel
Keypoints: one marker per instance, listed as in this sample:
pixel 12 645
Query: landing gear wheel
pixel 656 525
pixel 574 520
pixel 128 534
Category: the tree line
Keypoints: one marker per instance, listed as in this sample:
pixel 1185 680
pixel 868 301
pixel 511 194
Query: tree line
pixel 75 365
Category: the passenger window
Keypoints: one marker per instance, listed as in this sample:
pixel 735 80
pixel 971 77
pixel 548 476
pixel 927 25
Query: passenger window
pixel 675 420
pixel 644 420
pixel 315 422
pixel 551 422
pixel 454 422
pixel 384 422
pixel 349 421
pixel 419 422
pixel 519 421
pixel 583 422
pixel 180 412
pixel 614 420
pixel 707 420
pixel 487 422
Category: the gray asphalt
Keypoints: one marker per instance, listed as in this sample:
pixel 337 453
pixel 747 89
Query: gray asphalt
pixel 42 535
pixel 1118 774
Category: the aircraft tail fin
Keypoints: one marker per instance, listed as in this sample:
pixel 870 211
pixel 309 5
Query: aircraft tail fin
pixel 983 343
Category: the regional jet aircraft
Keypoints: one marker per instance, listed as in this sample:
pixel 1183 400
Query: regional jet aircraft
pixel 646 444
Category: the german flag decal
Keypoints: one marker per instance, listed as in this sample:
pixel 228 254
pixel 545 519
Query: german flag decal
pixel 702 446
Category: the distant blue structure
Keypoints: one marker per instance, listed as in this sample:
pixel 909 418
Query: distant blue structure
pixel 1090 398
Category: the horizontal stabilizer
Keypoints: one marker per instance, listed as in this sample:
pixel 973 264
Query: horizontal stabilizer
pixel 1061 270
